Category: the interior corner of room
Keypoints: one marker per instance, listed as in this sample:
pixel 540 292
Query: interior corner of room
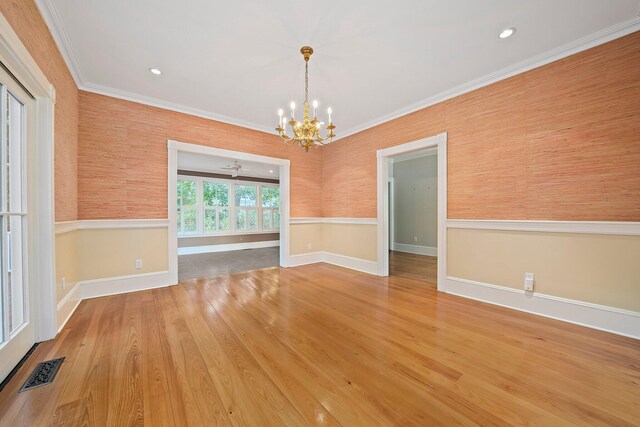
pixel 450 201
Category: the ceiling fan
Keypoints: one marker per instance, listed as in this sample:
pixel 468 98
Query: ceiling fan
pixel 235 168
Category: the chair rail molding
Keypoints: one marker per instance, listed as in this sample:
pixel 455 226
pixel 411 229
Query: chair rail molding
pixel 332 220
pixel 588 227
pixel 68 226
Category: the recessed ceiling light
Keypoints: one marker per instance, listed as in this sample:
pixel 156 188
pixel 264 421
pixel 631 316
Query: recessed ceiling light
pixel 155 71
pixel 271 171
pixel 507 32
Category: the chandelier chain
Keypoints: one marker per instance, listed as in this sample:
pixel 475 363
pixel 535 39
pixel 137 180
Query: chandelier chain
pixel 306 81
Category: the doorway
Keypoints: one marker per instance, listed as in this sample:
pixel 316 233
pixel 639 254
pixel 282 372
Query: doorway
pixel 228 211
pixel 17 331
pixel 438 145
pixel 228 215
pixel 413 214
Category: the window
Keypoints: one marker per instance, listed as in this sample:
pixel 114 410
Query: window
pixel 270 208
pixel 216 206
pixel 187 206
pixel 13 290
pixel 246 207
pixel 208 206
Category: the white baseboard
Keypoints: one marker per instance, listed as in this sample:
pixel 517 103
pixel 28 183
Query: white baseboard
pixel 67 306
pixel 415 249
pixel 609 319
pixel 189 250
pixel 359 264
pixel 123 284
pixel 304 259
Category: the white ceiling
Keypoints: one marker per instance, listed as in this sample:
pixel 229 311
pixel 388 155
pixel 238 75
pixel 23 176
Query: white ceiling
pixel 239 61
pixel 213 164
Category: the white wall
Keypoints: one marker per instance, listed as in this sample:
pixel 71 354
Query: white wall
pixel 416 202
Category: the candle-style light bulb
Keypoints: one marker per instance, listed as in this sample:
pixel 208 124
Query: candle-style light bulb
pixel 280 112
pixel 315 109
pixel 293 109
pixel 329 113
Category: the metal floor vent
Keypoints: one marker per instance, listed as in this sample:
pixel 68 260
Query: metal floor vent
pixel 43 374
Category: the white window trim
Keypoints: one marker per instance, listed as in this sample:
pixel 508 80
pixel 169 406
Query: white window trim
pixel 233 231
pixel 262 208
pixel 41 258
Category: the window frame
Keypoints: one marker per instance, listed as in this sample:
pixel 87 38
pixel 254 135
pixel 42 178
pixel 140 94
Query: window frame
pixel 270 209
pixel 247 209
pixel 231 183
pixel 196 206
pixel 230 198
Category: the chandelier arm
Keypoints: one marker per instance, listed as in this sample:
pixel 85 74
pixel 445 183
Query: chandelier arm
pixel 322 140
pixel 286 138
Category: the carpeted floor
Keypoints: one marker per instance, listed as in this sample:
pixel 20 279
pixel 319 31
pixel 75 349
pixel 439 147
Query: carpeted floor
pixel 219 263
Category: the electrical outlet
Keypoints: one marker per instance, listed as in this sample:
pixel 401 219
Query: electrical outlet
pixel 308 245
pixel 64 283
pixel 138 264
pixel 528 282
pixel 415 238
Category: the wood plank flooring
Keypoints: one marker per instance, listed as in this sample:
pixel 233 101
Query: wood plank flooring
pixel 413 266
pixel 323 345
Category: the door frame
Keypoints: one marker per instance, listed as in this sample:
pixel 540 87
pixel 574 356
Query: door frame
pixel 392 208
pixel 383 156
pixel 40 182
pixel 283 165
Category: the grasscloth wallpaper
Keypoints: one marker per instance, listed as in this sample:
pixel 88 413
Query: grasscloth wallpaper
pixel 122 158
pixel 560 142
pixel 25 19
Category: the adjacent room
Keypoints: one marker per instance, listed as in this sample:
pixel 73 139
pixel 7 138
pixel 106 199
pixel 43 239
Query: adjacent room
pixel 340 213
pixel 228 216
pixel 413 215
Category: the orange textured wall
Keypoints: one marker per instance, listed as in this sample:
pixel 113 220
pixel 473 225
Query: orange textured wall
pixel 122 158
pixel 560 142
pixel 25 19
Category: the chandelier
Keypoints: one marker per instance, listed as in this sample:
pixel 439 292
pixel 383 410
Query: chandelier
pixel 307 132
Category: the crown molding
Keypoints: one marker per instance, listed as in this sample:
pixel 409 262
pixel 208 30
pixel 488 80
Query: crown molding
pixel 592 40
pixel 52 19
pixel 167 105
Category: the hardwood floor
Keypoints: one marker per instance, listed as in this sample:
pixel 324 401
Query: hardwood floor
pixel 413 266
pixel 320 344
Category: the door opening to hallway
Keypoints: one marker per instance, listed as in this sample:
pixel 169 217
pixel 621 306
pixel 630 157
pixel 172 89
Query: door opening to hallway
pixel 413 215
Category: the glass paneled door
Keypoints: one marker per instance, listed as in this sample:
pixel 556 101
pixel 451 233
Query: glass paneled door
pixel 16 328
